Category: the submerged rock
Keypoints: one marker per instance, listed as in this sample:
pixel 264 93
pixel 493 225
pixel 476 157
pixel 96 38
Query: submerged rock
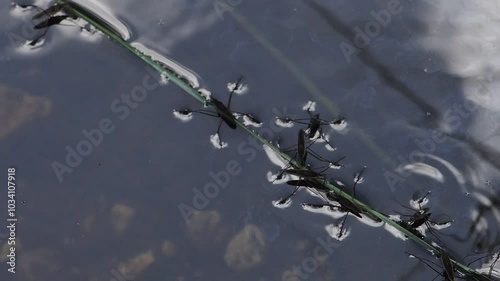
pixel 18 108
pixel 137 264
pixel 205 227
pixel 121 215
pixel 168 248
pixel 244 251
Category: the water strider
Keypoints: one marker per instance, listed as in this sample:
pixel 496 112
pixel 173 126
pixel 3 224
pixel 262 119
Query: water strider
pixel 308 183
pixel 316 183
pixel 344 205
pixel 314 124
pixel 419 218
pixel 301 148
pixel 304 173
pixel 307 180
pixel 302 151
pixel 286 199
pixel 53 20
pixel 301 157
pixel 493 264
pixel 50 17
pixel 308 177
pixel 347 204
pixel 483 276
pixel 49 12
pixel 448 268
pixel 222 111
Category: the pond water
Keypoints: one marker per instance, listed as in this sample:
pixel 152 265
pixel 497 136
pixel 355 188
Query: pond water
pixel 110 185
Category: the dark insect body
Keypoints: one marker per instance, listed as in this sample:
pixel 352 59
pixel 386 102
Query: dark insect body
pixel 448 270
pixel 301 148
pixel 304 173
pixel 419 218
pixel 301 156
pixel 52 21
pixel 307 180
pixel 308 183
pixel 50 18
pixel 482 276
pixel 52 10
pixel 314 124
pixel 222 111
pixel 346 204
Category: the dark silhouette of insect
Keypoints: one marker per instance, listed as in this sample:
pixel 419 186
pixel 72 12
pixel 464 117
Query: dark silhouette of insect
pixel 307 180
pixel 316 187
pixel 53 20
pixel 301 154
pixel 286 199
pixel 419 218
pixel 493 264
pixel 50 11
pixel 307 176
pixel 304 173
pixel 50 18
pixel 314 124
pixel 344 204
pixel 482 276
pixel 301 148
pixel 347 204
pixel 448 268
pixel 222 111
pixel 308 183
pixel 478 277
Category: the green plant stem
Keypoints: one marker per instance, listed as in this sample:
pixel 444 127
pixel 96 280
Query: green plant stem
pixel 194 93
